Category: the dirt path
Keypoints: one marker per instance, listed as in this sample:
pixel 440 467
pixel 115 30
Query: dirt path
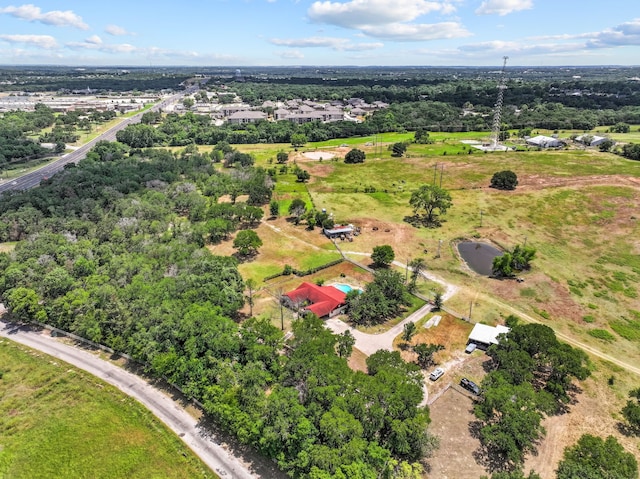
pixel 567 339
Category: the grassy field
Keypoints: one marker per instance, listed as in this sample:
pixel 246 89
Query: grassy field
pixel 577 207
pixel 59 422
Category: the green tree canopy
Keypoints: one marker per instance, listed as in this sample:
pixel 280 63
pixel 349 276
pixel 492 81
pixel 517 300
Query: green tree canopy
pixel 247 242
pixel 504 180
pixel 428 199
pixel 355 156
pixel 595 458
pixel 382 256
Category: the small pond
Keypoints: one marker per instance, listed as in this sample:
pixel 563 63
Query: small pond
pixel 478 256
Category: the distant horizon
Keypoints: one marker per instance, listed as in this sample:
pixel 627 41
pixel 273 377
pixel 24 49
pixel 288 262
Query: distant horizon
pixel 241 67
pixel 308 33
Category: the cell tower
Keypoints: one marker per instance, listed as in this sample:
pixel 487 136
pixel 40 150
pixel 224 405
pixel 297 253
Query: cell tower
pixel 495 130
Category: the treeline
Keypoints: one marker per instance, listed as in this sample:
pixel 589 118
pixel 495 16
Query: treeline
pixel 191 128
pixel 15 146
pixel 111 250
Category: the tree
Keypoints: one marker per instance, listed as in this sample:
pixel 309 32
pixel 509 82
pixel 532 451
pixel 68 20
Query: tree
pixel 398 149
pixel 631 411
pixel 606 145
pixel 282 157
pixel 429 199
pixel 382 256
pixel 515 474
pixel 247 242
pixel 355 156
pixel 504 180
pixel 510 262
pixel 595 458
pixel 345 344
pixel 437 301
pixel 298 140
pixel 297 208
pixel 251 286
pixel 620 128
pixel 302 175
pixel 425 353
pixel 409 331
pixel 274 208
pixel 421 136
pixel 417 265
pixel 188 103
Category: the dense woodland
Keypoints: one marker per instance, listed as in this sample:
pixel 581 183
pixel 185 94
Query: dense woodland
pixel 112 249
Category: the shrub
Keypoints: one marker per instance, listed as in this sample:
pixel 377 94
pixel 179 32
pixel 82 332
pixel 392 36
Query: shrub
pixel 602 334
pixel 504 180
pixel 355 156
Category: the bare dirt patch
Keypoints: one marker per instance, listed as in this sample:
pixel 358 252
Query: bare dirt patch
pixel 319 155
pixel 451 416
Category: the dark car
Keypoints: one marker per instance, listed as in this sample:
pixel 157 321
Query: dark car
pixel 470 386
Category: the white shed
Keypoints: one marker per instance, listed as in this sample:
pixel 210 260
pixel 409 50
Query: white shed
pixel 484 335
pixel 542 141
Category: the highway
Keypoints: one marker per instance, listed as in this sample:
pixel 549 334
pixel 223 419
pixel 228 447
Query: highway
pixel 33 178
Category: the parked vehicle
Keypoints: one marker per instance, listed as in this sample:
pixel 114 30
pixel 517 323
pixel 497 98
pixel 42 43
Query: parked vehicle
pixel 471 347
pixel 470 386
pixel 436 374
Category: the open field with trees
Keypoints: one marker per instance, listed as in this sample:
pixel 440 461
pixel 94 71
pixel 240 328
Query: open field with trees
pixel 57 421
pixel 118 249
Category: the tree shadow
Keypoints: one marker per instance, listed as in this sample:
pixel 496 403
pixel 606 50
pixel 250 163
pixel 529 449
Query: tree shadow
pixel 420 221
pixel 627 430
pixel 260 466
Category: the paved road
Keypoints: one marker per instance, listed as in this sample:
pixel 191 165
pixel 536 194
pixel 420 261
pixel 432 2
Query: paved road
pixel 166 409
pixel 33 178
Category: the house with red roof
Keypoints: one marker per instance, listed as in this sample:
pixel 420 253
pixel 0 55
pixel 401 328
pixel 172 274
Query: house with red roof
pixel 319 300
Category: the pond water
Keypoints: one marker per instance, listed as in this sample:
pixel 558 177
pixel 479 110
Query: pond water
pixel 478 256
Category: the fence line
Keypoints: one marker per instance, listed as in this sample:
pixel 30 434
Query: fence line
pixel 75 337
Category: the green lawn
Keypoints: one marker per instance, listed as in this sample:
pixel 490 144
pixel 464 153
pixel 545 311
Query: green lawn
pixel 59 422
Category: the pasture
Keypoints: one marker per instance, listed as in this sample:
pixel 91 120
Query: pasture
pixel 58 422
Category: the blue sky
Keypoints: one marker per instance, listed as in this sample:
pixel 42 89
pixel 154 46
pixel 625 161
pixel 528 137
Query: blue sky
pixel 325 32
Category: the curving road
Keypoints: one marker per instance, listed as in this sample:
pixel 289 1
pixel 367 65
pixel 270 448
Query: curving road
pixel 33 178
pixel 213 454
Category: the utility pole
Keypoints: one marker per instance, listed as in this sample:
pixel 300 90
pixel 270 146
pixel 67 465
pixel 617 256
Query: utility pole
pixel 495 130
pixel 435 173
pixel 470 308
pixel 439 245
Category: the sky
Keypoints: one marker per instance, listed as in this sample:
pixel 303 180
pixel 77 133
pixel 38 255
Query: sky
pixel 321 33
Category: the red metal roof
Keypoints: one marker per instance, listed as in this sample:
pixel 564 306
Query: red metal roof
pixel 323 299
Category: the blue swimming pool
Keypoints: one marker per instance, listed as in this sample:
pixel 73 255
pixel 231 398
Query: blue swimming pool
pixel 345 288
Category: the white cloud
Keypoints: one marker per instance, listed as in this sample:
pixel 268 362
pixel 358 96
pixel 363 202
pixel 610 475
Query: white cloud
pixel 335 43
pixel 116 31
pixel 503 7
pixel 410 32
pixel 356 13
pixel 95 39
pixel 391 21
pixel 627 33
pixel 92 44
pixel 290 54
pixel 40 41
pixel 58 18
